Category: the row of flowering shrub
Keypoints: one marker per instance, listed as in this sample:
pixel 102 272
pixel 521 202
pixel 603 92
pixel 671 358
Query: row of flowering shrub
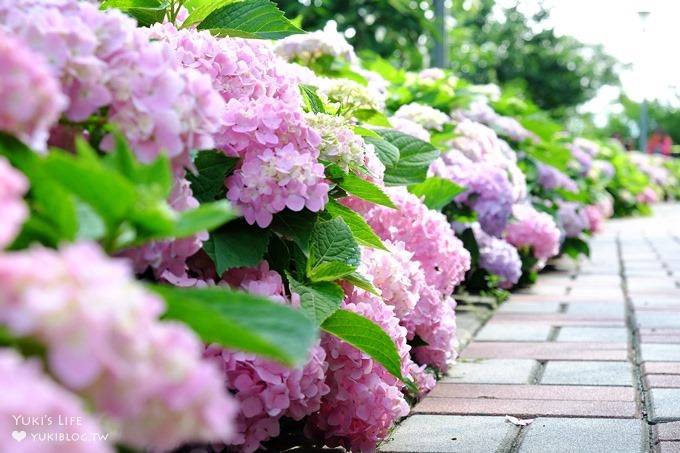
pixel 206 240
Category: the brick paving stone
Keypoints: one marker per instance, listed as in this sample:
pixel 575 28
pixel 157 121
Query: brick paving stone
pixel 492 371
pixel 597 309
pixel 663 381
pixel 667 447
pixel 661 367
pixel 660 352
pixel 667 431
pixel 513 332
pixel 450 434
pixel 529 307
pixel 648 319
pixel 527 408
pixel 588 373
pixel 568 435
pixel 547 351
pixel 561 319
pixel 533 392
pixel 466 325
pixel 579 334
pixel 665 405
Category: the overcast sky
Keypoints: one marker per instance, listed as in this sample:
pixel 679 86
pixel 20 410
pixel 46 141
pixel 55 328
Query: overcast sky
pixel 615 24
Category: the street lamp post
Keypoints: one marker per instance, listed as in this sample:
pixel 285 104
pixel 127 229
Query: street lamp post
pixel 644 112
pixel 439 55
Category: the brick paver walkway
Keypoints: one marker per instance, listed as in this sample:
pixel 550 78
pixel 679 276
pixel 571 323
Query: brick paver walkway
pixel 592 355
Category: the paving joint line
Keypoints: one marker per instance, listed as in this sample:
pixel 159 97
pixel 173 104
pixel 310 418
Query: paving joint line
pixel 636 354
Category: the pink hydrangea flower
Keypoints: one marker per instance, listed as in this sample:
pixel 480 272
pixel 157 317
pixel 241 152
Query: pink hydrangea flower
pixel 13 210
pixel 410 127
pixel 595 218
pixel 35 405
pixel 425 233
pixel 104 342
pixel 364 400
pixel 535 230
pixel 648 195
pixel 167 258
pixel 266 390
pixel 31 96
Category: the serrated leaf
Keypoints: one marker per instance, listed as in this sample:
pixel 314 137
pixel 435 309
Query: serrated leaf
pixel 362 231
pixel 312 101
pixel 200 9
pixel 575 247
pixel 212 168
pixel 438 192
pixel 206 217
pixel 236 244
pixel 147 12
pixel 387 152
pixel 415 157
pixel 333 252
pixel 363 132
pixel 250 18
pixel 318 300
pixel 368 337
pixel 363 189
pixel 295 226
pixel 362 282
pixel 372 117
pixel 242 321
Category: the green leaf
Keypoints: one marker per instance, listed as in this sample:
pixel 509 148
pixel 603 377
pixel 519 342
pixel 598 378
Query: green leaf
pixel 575 247
pixel 107 192
pixel 368 337
pixel 333 252
pixel 363 132
pixel 387 152
pixel 415 157
pixel 242 321
pixel 212 168
pixel 236 244
pixel 200 9
pixel 206 217
pixel 363 189
pixel 362 231
pixel 147 12
pixel 312 101
pixel 438 192
pixel 251 19
pixel 318 300
pixel 372 117
pixel 470 243
pixel 91 227
pixel 362 282
pixel 295 226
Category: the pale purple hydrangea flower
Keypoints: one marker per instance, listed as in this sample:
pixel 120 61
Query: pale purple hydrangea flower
pixel 488 193
pixel 307 47
pixel 550 178
pixel 13 210
pixel 410 128
pixel 31 96
pixel 573 219
pixel 35 405
pixel 104 341
pixel 584 151
pixel 498 257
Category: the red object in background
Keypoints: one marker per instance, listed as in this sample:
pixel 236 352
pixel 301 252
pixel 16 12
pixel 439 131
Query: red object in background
pixel 659 143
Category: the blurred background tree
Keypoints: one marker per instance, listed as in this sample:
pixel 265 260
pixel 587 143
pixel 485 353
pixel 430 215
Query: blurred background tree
pixel 487 44
pixel 665 115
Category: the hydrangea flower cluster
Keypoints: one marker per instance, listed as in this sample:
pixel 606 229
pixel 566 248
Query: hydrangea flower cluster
pixel 534 230
pixel 498 257
pixel 106 344
pixel 263 124
pixel 168 257
pixel 425 233
pixel 13 210
pixel 550 178
pixel 428 117
pixel 596 218
pixel 602 168
pixel 28 393
pixel 648 195
pixel 31 96
pixel 339 144
pixel 307 47
pixel 480 111
pixel 345 94
pixel 584 151
pixel 573 219
pixel 266 390
pixel 488 193
pixel 410 128
pixel 364 399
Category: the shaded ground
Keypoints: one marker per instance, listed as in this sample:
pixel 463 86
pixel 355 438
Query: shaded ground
pixel 591 355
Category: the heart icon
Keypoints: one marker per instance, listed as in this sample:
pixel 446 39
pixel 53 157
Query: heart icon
pixel 19 435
